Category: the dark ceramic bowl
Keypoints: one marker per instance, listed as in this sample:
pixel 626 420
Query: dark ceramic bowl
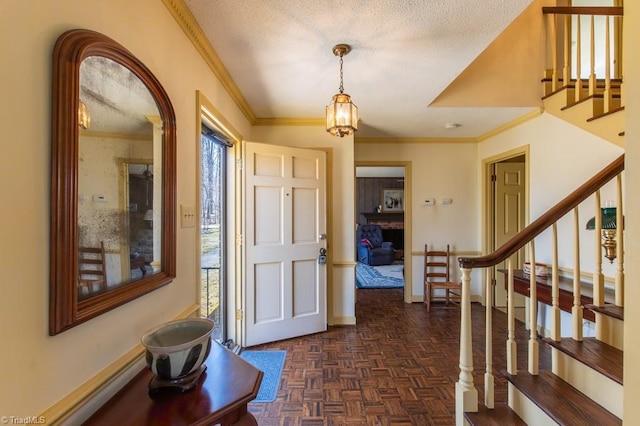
pixel 177 348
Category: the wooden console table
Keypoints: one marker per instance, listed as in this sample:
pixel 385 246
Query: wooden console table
pixel 543 286
pixel 221 397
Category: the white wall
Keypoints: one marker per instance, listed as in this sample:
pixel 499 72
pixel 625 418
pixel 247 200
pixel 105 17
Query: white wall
pixel 39 370
pixel 562 157
pixel 439 170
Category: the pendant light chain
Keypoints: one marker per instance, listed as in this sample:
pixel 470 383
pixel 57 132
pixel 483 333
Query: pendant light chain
pixel 341 85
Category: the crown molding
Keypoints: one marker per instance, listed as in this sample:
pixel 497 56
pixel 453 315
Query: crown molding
pixel 513 123
pixel 416 140
pixel 289 121
pixel 189 25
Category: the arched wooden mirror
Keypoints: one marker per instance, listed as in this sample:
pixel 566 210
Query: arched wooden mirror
pixel 113 180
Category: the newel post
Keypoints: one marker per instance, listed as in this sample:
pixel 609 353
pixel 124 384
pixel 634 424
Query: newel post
pixel 466 393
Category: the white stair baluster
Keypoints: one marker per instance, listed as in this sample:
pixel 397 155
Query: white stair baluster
pixel 576 309
pixel 555 290
pixel 533 313
pixel 466 393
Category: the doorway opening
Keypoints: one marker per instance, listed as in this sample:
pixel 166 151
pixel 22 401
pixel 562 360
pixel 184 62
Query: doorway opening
pixel 383 197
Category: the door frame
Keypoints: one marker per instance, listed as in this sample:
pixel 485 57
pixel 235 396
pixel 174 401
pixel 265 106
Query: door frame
pixel 233 288
pixel 488 210
pixel 408 253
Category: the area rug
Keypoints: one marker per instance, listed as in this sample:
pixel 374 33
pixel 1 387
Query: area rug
pixel 271 364
pixel 384 276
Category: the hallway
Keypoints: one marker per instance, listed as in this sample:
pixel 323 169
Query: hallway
pixel 397 366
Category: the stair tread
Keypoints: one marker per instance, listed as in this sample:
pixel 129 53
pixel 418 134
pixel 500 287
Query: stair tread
pixel 595 354
pixel 499 416
pixel 562 402
pixel 575 103
pixel 608 309
pixel 604 114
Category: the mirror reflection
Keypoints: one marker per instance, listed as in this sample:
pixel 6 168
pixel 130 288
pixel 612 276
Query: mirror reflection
pixel 119 178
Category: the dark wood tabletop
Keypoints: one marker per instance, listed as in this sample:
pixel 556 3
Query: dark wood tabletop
pixel 221 396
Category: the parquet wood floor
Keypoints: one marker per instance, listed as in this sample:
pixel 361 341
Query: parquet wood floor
pixel 397 366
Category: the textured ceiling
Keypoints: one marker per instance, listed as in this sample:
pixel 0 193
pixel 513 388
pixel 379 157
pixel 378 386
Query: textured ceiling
pixel 404 55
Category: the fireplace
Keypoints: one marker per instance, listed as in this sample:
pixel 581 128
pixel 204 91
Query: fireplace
pixel 392 225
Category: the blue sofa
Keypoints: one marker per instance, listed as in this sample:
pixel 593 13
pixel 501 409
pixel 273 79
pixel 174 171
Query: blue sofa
pixel 371 249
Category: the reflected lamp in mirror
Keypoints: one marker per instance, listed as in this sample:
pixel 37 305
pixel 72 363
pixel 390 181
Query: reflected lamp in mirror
pixel 609 230
pixel 84 119
pixel 148 218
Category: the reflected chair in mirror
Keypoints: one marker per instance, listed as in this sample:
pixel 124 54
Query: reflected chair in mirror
pixel 437 285
pixel 371 249
pixel 92 271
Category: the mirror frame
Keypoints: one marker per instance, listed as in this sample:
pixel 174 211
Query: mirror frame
pixel 65 311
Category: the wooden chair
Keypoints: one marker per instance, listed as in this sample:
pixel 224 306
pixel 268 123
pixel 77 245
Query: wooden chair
pixel 437 286
pixel 92 271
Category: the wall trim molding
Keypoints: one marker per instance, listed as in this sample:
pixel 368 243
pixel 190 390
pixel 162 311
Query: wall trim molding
pixel 115 135
pixel 344 263
pixel 452 253
pixel 416 298
pixel 70 404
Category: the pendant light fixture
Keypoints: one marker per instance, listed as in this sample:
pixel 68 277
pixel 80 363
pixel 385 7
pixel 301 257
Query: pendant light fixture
pixel 342 114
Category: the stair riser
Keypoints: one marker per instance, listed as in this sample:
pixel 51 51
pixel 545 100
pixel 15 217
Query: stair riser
pixel 527 410
pixel 610 330
pixel 588 108
pixel 596 386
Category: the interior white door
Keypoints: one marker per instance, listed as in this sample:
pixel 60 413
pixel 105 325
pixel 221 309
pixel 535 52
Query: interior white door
pixel 509 220
pixel 285 231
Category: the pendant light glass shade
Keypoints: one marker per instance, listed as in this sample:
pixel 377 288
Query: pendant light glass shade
pixel 342 115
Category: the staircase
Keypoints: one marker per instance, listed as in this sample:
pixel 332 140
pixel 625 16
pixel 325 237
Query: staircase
pixel 589 102
pixel 584 385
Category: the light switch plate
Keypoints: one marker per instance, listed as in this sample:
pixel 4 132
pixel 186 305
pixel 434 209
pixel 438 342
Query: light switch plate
pixel 447 201
pixel 430 202
pixel 187 216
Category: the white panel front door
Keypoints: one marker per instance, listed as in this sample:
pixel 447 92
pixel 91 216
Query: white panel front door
pixel 285 227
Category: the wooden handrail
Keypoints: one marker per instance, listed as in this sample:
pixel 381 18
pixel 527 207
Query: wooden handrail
pixel 582 10
pixel 546 220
